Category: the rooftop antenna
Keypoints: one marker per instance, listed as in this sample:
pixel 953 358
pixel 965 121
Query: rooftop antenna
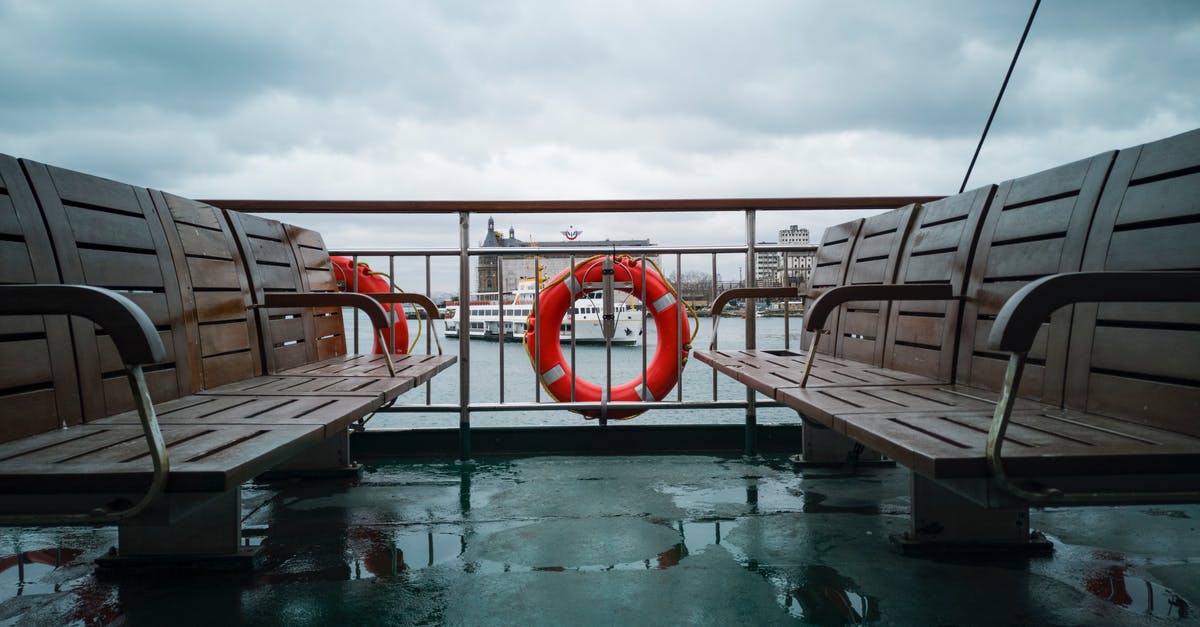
pixel 1000 95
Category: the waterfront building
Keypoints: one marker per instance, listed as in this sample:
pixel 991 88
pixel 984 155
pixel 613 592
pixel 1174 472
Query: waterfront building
pixel 515 268
pixel 775 269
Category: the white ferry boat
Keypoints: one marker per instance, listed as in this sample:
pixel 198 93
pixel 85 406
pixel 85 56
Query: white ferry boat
pixel 485 318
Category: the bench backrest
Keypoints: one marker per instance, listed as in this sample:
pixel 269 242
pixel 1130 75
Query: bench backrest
pixel 218 319
pixel 829 270
pixel 873 260
pixel 921 335
pixel 286 259
pixel 38 389
pixel 108 234
pixel 173 257
pixel 1141 362
pixel 1035 226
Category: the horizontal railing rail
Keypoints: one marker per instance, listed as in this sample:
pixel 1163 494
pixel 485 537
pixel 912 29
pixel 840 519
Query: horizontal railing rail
pixel 568 206
pixel 669 256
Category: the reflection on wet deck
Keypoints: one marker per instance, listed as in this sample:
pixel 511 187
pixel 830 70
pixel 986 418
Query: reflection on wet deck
pixel 610 540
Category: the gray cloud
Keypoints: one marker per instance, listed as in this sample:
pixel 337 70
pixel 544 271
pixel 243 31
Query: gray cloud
pixel 540 99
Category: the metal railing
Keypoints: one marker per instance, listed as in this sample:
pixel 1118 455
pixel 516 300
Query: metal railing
pixel 464 252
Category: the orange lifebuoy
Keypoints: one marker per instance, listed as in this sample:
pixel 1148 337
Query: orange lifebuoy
pixel 545 352
pixel 369 281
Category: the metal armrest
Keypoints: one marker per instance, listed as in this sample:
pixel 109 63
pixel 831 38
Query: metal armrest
pixel 362 302
pixel 420 300
pixel 130 328
pixel 137 342
pixel 1023 313
pixel 1016 326
pixel 816 313
pixel 739 293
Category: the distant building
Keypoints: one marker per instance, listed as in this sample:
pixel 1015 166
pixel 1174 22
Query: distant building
pixel 793 235
pixel 777 269
pixel 516 268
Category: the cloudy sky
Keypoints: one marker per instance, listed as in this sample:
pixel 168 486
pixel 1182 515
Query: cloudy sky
pixel 546 99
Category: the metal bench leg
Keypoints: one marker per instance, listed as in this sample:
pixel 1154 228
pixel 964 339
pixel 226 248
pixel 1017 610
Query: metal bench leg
pixel 822 446
pixel 329 459
pixel 197 532
pixel 945 522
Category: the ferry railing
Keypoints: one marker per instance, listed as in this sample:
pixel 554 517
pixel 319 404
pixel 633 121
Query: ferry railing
pixel 466 406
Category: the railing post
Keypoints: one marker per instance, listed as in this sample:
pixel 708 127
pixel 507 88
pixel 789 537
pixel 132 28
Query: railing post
pixel 464 335
pixel 751 447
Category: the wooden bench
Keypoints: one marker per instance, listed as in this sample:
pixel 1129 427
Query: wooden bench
pixel 152 412
pixel 1035 394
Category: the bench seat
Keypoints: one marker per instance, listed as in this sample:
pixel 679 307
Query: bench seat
pixel 129 328
pixel 770 370
pixel 1064 352
pixel 1039 445
pixel 332 414
pixel 109 459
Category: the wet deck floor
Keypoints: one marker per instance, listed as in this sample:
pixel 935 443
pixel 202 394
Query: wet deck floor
pixel 619 540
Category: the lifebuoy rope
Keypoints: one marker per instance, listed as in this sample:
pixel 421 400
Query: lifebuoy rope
pixel 416 310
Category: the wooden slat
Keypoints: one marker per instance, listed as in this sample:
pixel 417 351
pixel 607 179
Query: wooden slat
pixel 197 241
pixel 188 211
pixel 30 412
pixel 272 251
pixel 224 338
pixel 110 229
pixel 1156 248
pixel 17 268
pixel 9 223
pixel 24 363
pixel 229 367
pixel 220 306
pixel 1166 405
pixel 213 273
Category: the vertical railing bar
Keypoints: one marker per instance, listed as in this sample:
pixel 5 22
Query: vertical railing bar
pixel 608 268
pixel 571 269
pixel 430 328
pixel 712 296
pixel 645 384
pixel 787 273
pixel 537 336
pixel 751 411
pixel 464 335
pixel 503 331
pixel 392 310
pixel 679 326
pixel 354 288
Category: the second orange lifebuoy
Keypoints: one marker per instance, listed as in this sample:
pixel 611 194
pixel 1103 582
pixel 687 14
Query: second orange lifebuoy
pixel 545 352
pixel 361 278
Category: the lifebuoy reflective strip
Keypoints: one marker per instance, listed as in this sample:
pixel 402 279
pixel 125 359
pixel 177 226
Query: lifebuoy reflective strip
pixel 545 352
pixel 370 281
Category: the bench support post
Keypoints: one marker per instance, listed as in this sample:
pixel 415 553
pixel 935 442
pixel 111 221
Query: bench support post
pixel 822 446
pixel 945 522
pixel 196 532
pixel 329 459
